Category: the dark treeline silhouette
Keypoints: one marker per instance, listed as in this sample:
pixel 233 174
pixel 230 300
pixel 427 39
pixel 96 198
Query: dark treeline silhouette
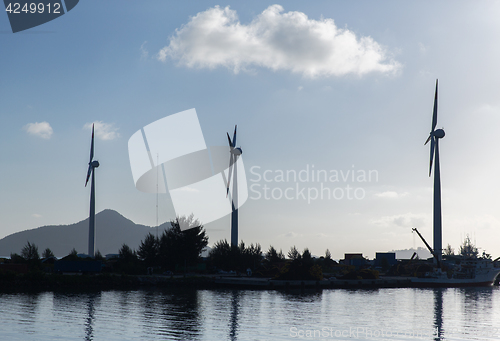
pixel 174 250
pixel 303 266
pixel 223 257
pixel 179 251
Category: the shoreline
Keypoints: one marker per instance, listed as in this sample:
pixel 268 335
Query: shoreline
pixel 36 282
pixel 33 282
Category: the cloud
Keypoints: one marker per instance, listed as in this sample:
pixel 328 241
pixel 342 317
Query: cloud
pixel 36 215
pixel 275 40
pixel 404 220
pixel 103 131
pixel 423 49
pixel 292 235
pixel 391 194
pixel 42 129
pixel 144 51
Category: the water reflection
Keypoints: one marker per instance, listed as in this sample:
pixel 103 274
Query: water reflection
pixel 180 315
pixel 235 307
pixel 28 310
pixel 438 313
pixel 213 315
pixel 89 322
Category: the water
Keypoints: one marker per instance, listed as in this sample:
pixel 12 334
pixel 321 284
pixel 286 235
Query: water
pixel 383 314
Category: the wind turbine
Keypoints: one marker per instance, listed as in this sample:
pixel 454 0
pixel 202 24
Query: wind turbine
pixel 93 164
pixel 434 137
pixel 234 152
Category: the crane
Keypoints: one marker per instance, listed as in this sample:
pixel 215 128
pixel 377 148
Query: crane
pixel 428 246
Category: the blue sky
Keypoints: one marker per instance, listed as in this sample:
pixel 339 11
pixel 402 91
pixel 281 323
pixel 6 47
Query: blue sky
pixel 101 63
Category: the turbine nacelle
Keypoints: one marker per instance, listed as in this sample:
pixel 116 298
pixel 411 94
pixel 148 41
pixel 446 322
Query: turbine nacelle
pixel 236 151
pixel 438 133
pixel 94 164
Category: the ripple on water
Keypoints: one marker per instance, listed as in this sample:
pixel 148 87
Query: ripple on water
pixel 456 314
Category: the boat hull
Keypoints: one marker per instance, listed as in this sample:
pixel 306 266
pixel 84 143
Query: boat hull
pixel 450 284
pixel 481 280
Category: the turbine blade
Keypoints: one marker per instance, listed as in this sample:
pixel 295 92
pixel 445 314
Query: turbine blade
pixel 428 139
pixel 92 145
pixel 435 111
pixel 89 172
pixel 230 173
pixel 229 139
pixel 234 136
pixel 433 145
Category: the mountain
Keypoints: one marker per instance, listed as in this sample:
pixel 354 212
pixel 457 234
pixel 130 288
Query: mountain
pixel 423 253
pixel 112 231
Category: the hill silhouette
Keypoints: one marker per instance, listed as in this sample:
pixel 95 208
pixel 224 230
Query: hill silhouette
pixel 112 231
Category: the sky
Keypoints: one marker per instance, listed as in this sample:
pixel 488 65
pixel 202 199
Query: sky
pixel 332 86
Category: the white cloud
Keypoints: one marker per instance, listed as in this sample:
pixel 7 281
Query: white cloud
pixel 103 131
pixel 292 235
pixel 42 129
pixel 391 194
pixel 144 51
pixel 276 40
pixel 423 49
pixel 36 215
pixel 404 220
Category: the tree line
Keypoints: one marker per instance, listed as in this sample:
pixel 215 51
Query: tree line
pixel 176 250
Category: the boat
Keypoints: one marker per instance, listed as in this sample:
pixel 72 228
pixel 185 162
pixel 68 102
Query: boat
pixel 469 272
pixel 466 269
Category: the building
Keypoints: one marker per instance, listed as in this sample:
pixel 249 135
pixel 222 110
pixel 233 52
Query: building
pixel 390 259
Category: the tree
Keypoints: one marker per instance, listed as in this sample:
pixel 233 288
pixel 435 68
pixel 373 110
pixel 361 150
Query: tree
pixel 272 256
pixel 16 258
pixel 301 267
pixel 294 254
pixel 126 253
pixel 328 255
pixel 99 256
pixel 47 253
pixel 449 251
pixel 30 252
pixel 222 257
pixel 31 255
pixel 148 250
pixel 250 257
pixel 182 247
pixel 467 249
pixel 128 262
pixel 306 254
pixel 328 262
pixel 239 258
pixel 73 252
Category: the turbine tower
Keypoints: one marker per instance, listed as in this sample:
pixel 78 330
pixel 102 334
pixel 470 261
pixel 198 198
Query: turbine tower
pixel 434 137
pixel 234 152
pixel 91 171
